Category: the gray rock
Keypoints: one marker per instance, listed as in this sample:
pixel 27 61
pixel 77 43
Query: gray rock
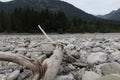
pixel 97 49
pixel 116 45
pixel 72 40
pixel 77 74
pixel 111 68
pixel 110 77
pixel 115 56
pixel 75 54
pixel 83 56
pixel 69 47
pixel 47 47
pixel 90 75
pixel 12 64
pixel 20 50
pixel 98 68
pixel 89 44
pixel 65 77
pixel 71 67
pixel 96 57
pixel 13 75
pixel 25 74
pixel 34 54
pixel 2 77
pixel 4 49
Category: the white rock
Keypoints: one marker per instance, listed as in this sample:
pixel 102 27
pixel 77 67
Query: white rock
pixel 13 75
pixel 21 50
pixel 83 56
pixel 90 75
pixel 110 77
pixel 47 47
pixel 97 49
pixel 12 64
pixel 75 54
pixel 69 46
pixel 115 55
pixel 72 40
pixel 111 68
pixel 96 57
pixel 2 77
pixel 89 44
pixel 71 67
pixel 63 41
pixel 65 77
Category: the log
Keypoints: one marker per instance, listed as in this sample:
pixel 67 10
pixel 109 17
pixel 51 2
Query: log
pixel 53 63
pixel 38 70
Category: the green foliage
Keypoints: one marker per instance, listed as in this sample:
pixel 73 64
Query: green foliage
pixel 26 20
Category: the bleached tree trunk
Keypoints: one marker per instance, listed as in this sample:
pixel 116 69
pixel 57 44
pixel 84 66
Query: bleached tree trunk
pixel 37 69
pixel 54 63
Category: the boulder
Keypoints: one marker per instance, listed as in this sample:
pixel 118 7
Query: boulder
pixel 111 68
pixel 110 77
pixel 94 58
pixel 75 54
pixel 2 77
pixel 115 56
pixel 90 75
pixel 13 75
pixel 83 56
pixel 48 48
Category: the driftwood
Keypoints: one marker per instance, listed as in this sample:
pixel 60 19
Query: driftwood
pixel 80 64
pixel 53 63
pixel 39 51
pixel 49 68
pixel 38 69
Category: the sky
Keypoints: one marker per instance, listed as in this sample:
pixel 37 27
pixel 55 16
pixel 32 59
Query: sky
pixel 95 7
pixel 5 0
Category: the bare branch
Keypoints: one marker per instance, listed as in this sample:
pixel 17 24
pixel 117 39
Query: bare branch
pixel 38 70
pixel 45 34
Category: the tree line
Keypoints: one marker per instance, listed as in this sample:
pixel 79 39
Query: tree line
pixel 26 21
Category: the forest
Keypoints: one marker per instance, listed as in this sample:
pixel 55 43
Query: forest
pixel 26 21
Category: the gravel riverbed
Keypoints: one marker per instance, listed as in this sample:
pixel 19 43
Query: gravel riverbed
pixel 95 56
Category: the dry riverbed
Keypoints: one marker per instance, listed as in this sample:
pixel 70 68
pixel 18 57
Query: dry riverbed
pixel 94 56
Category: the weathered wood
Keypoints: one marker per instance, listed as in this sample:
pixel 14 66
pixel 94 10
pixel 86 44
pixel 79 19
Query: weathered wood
pixel 39 51
pixel 38 70
pixel 53 63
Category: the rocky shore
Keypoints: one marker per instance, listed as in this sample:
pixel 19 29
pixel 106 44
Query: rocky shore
pixel 91 57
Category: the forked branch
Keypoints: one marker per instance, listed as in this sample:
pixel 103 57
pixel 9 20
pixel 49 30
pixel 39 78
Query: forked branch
pixel 38 70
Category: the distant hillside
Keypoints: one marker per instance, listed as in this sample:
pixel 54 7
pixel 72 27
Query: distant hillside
pixel 53 5
pixel 114 15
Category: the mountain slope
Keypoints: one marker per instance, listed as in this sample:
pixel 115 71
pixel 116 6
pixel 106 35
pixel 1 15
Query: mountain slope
pixel 53 5
pixel 114 15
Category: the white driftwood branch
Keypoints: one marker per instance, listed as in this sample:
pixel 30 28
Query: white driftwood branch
pixel 38 70
pixel 45 34
pixel 54 63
